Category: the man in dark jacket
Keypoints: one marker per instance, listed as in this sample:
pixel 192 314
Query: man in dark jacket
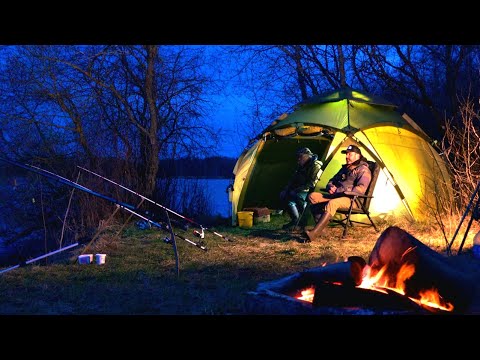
pixel 303 181
pixel 355 176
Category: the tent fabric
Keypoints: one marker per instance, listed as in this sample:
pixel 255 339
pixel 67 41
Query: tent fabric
pixel 349 94
pixel 414 181
pixel 345 115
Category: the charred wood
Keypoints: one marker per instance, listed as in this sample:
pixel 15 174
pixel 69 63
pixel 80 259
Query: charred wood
pixel 327 294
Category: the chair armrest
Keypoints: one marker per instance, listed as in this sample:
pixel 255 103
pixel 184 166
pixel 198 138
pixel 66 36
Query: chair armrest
pixel 348 193
pixel 355 193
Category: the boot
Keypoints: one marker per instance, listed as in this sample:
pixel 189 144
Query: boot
pixel 293 212
pixel 317 230
pixel 316 217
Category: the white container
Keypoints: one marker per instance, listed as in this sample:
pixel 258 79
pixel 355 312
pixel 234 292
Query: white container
pixel 100 258
pixel 85 259
pixel 476 246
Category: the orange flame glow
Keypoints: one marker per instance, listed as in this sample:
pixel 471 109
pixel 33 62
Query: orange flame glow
pixel 381 282
pixel 307 294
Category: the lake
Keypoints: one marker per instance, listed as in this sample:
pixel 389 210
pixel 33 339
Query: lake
pixel 216 191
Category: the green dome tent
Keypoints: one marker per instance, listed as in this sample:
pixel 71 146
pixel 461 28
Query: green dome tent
pixel 413 181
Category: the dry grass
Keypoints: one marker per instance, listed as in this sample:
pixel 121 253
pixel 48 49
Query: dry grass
pixel 139 276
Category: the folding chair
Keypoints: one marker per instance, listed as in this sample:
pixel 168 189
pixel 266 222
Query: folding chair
pixel 362 201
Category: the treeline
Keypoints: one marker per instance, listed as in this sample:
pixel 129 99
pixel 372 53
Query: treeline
pixel 118 110
pixel 211 167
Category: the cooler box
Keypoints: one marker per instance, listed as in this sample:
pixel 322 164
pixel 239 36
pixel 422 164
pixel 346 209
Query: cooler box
pixel 260 214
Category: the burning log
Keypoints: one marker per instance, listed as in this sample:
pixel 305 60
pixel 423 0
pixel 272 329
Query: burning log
pixel 330 289
pixel 402 276
pixel 395 249
pixel 336 285
pixel 327 294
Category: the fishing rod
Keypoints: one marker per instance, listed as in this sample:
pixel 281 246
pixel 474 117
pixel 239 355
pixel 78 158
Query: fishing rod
pixel 159 205
pixel 38 258
pixel 167 228
pixel 474 216
pixel 65 181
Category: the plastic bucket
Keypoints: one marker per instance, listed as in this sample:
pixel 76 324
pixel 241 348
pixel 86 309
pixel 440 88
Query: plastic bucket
pixel 100 258
pixel 85 259
pixel 245 219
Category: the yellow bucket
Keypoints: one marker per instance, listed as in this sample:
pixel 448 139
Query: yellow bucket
pixel 245 219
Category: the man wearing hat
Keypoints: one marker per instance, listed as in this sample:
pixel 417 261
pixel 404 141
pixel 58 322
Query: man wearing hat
pixel 306 176
pixel 355 175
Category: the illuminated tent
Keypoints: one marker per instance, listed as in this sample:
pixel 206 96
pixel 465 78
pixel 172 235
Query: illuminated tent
pixel 413 181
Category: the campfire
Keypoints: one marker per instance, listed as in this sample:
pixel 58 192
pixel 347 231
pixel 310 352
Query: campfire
pixel 402 276
pixel 377 281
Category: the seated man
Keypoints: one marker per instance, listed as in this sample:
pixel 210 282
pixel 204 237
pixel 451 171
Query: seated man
pixel 294 195
pixel 354 176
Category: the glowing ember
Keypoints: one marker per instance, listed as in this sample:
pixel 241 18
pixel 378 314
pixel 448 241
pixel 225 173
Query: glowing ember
pixel 307 294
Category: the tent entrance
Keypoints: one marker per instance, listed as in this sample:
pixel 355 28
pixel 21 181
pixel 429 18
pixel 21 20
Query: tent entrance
pixel 273 168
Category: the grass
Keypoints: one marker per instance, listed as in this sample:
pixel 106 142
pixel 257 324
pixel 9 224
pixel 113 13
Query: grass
pixel 139 276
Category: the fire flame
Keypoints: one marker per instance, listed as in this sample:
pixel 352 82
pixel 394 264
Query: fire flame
pixel 380 281
pixel 307 294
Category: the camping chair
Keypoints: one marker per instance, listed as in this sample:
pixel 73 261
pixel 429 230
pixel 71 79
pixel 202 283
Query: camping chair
pixel 361 200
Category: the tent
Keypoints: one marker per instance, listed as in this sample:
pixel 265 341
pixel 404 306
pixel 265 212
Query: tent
pixel 414 181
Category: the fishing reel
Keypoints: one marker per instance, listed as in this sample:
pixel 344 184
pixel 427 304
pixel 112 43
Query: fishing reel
pixel 199 234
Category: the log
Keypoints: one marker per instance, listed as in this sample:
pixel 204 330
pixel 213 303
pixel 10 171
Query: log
pixel 396 247
pixel 330 295
pixel 347 273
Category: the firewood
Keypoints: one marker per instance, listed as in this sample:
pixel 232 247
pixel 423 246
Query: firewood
pixel 396 247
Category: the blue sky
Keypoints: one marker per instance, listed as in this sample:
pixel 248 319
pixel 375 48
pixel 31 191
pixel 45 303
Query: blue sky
pixel 230 118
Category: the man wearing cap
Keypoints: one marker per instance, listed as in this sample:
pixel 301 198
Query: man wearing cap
pixel 306 176
pixel 354 176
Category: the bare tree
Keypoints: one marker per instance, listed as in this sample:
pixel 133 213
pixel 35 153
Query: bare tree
pixel 461 146
pixel 426 79
pixel 278 77
pixel 110 108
